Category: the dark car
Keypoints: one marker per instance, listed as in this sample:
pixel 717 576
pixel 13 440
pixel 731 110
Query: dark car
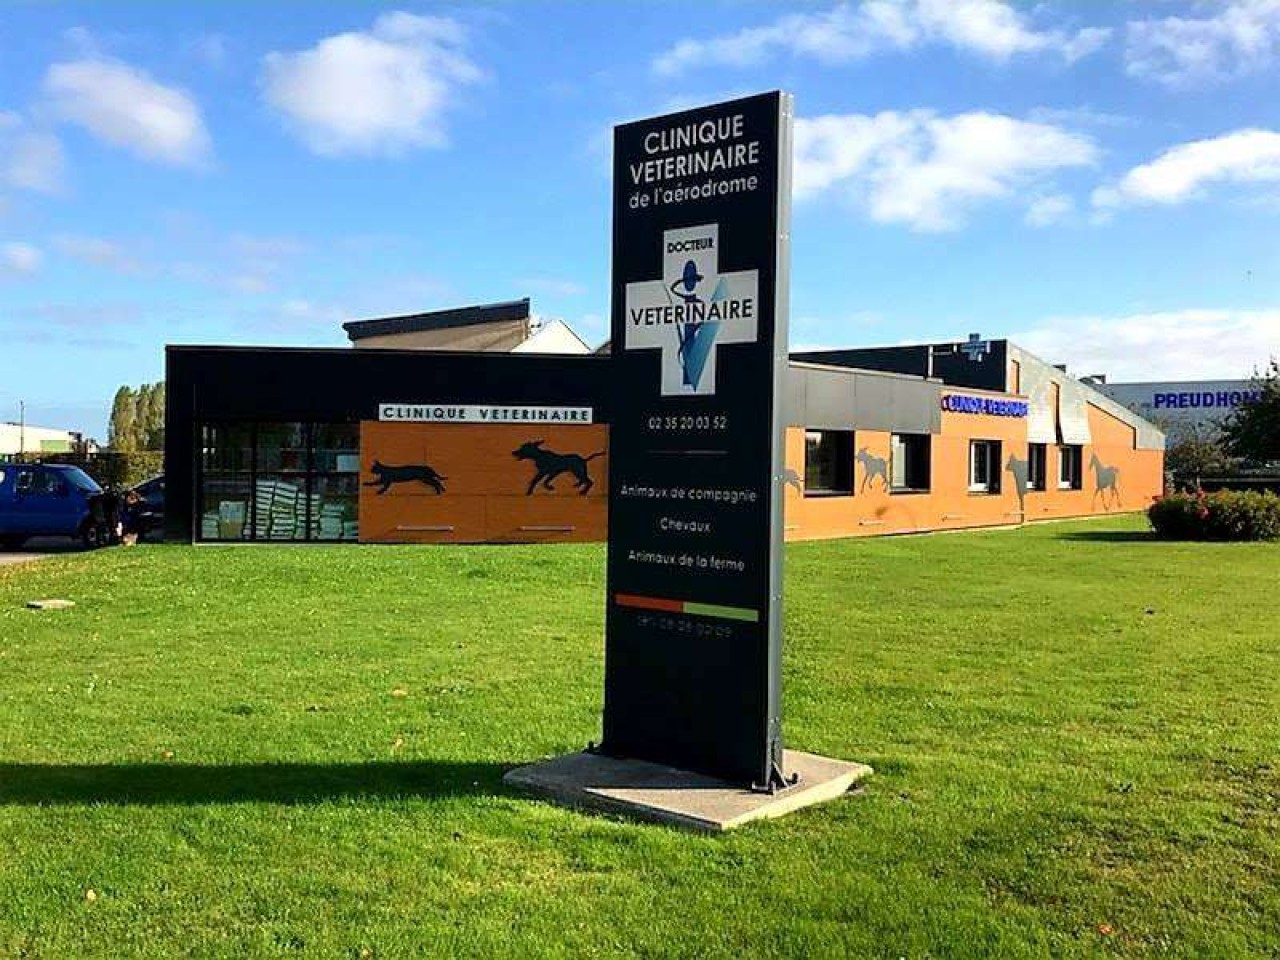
pixel 54 500
pixel 149 512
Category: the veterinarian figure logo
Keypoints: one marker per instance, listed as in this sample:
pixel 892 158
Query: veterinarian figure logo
pixel 691 310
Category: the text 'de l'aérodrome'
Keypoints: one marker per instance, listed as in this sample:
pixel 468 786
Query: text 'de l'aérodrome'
pixel 695 161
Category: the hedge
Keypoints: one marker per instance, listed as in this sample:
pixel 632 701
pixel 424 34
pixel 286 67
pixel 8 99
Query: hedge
pixel 112 470
pixel 1222 515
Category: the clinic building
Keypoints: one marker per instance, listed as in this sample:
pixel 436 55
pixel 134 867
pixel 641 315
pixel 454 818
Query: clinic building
pixel 453 427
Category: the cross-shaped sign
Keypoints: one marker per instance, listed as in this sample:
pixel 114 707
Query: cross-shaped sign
pixel 976 348
pixel 691 310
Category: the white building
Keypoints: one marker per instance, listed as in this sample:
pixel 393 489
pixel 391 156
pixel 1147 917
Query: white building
pixel 508 327
pixel 15 438
pixel 1182 409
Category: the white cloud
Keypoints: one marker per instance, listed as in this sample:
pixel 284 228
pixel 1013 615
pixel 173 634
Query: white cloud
pixel 1236 38
pixel 99 252
pixel 19 259
pixel 376 92
pixel 124 107
pixel 29 159
pixel 928 171
pixel 1046 211
pixel 1174 345
pixel 1178 174
pixel 36 162
pixel 302 312
pixel 211 49
pixel 989 29
pixel 241 263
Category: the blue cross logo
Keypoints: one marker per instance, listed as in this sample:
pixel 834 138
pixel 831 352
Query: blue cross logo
pixel 976 348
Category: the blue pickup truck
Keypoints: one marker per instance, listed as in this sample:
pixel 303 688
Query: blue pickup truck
pixel 48 500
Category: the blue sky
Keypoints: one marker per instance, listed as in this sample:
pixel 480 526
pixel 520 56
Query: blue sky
pixel 1098 181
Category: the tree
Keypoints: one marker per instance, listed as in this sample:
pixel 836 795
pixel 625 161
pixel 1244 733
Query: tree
pixel 137 418
pixel 1196 456
pixel 1252 432
pixel 154 418
pixel 121 433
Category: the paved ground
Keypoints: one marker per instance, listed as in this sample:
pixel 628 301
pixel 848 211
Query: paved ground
pixel 10 558
pixel 37 548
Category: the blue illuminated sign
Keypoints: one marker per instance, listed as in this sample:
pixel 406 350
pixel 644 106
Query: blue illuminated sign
pixel 1205 399
pixel 991 406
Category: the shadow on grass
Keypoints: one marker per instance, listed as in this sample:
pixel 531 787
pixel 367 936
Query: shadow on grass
pixel 1111 536
pixel 150 784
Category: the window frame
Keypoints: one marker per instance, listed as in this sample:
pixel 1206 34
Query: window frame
pixel 1070 454
pixel 843 464
pixel 906 442
pixel 993 448
pixel 1037 480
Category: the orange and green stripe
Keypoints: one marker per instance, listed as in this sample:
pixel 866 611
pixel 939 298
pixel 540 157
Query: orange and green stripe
pixel 720 610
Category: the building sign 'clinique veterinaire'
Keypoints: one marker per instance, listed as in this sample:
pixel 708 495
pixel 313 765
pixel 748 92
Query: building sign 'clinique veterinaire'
pixel 700 278
pixel 475 413
pixel 991 406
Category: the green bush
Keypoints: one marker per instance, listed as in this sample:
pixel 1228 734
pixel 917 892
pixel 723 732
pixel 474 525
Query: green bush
pixel 112 469
pixel 1223 515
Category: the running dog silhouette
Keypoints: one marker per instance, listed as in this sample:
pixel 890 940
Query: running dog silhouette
pixel 550 465
pixel 1019 470
pixel 872 467
pixel 1105 478
pixel 384 476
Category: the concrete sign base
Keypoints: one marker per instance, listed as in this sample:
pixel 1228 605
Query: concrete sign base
pixel 679 798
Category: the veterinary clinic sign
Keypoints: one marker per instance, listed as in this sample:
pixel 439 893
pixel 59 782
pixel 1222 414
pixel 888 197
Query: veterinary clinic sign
pixel 474 413
pixel 990 406
pixel 700 287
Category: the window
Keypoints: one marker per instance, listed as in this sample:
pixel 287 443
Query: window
pixel 828 463
pixel 1070 464
pixel 81 480
pixel 40 483
pixel 279 481
pixel 1037 463
pixel 910 462
pixel 281 506
pixel 47 483
pixel 335 481
pixel 226 481
pixel 984 466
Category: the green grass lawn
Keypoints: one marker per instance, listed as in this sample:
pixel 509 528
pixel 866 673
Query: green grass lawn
pixel 290 751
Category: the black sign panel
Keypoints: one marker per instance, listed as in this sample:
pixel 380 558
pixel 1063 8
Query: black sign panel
pixel 700 277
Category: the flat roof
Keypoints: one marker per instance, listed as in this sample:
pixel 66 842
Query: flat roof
pixel 438 319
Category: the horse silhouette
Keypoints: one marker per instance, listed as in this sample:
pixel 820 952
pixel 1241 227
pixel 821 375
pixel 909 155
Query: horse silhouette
pixel 872 467
pixel 1105 478
pixel 1019 470
pixel 792 478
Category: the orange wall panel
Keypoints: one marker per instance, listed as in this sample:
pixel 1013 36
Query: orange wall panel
pixel 485 493
pixel 949 505
pixel 486 489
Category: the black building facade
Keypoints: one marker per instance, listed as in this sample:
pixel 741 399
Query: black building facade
pixel 264 443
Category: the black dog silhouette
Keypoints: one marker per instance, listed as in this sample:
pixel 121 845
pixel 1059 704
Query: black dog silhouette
pixel 384 476
pixel 550 465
